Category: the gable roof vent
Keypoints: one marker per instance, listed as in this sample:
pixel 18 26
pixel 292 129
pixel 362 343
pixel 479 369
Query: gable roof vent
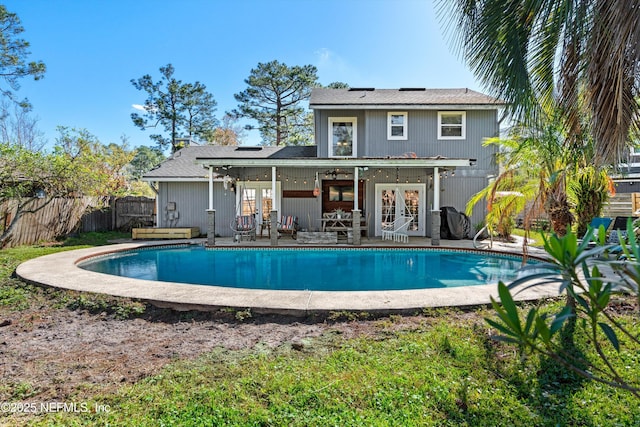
pixel 412 89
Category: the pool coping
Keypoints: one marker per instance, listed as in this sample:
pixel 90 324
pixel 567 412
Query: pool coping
pixel 60 270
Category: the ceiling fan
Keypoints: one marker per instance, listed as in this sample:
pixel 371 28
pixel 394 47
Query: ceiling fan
pixel 335 173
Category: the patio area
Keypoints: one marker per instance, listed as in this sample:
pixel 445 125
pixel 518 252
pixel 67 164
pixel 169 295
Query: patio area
pixel 286 240
pixel 60 270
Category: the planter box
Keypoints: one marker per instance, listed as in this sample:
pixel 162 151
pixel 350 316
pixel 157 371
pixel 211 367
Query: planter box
pixel 165 233
pixel 317 237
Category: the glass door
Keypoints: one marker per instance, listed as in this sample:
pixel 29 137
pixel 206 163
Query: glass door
pixel 256 198
pixel 401 199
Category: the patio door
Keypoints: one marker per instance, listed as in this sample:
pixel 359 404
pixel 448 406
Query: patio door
pixel 256 198
pixel 394 199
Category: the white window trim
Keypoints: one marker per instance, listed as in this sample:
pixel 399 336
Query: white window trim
pixel 404 135
pixel 241 186
pixel 464 124
pixel 354 120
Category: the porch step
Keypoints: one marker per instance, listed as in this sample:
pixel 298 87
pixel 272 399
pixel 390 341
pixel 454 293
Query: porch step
pixel 165 233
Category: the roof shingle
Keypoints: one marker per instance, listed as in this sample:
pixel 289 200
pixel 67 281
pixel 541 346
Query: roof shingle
pixel 415 96
pixel 182 163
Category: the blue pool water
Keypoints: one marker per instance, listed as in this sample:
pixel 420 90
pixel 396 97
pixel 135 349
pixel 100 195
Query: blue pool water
pixel 311 269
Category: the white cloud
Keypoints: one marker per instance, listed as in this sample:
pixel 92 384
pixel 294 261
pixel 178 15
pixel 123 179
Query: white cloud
pixel 138 107
pixel 323 56
pixel 333 68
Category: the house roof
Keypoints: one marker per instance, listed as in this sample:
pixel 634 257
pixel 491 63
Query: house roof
pixel 189 163
pixel 182 164
pixel 404 97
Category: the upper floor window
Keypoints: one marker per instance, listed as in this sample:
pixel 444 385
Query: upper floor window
pixel 342 136
pixel 452 124
pixel 397 125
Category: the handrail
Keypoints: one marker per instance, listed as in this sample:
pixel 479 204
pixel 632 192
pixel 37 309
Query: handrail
pixel 475 238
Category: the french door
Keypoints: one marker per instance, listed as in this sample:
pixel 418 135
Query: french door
pixel 401 199
pixel 256 198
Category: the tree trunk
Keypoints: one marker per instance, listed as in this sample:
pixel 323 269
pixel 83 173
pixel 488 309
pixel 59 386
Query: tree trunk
pixel 557 208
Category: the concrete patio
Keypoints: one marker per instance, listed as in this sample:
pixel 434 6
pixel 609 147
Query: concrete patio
pixel 60 270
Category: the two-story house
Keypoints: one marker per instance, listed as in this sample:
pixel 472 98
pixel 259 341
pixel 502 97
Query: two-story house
pixel 374 148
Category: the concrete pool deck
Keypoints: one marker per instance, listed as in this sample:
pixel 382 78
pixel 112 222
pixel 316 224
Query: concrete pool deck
pixel 60 270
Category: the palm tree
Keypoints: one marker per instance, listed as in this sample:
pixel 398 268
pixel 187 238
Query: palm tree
pixel 534 53
pixel 589 189
pixel 536 165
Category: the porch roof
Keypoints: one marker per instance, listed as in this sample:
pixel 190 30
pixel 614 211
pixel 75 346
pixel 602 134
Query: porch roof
pixel 380 162
pixel 189 163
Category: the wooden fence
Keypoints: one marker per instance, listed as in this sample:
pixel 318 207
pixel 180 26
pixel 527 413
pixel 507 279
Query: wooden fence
pixel 622 204
pixel 47 219
pixel 38 220
pixel 131 212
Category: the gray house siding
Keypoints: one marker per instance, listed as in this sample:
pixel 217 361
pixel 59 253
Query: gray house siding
pixel 296 183
pixel 422 139
pixel 458 191
pixel 422 135
pixel 321 118
pixel 190 201
pixel 191 198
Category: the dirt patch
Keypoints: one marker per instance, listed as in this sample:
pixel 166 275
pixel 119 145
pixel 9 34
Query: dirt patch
pixel 53 354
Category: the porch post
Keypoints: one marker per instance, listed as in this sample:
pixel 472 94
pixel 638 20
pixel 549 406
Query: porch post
pixel 435 210
pixel 211 213
pixel 355 215
pixel 355 189
pixel 273 190
pixel 273 215
pixel 210 188
pixel 211 227
pixel 357 241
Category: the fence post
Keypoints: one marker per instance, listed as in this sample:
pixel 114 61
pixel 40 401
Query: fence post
pixel 112 207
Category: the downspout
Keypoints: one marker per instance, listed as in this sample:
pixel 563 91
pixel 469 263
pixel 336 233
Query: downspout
pixel 156 189
pixel 153 187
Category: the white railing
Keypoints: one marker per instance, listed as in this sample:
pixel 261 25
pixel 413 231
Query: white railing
pixel 479 233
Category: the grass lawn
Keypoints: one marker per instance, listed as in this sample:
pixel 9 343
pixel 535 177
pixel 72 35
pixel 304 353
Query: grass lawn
pixel 535 236
pixel 435 368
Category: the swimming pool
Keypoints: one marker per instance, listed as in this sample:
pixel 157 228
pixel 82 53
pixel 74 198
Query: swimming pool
pixel 313 269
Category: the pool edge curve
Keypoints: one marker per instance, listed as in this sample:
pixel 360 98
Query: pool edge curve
pixel 60 270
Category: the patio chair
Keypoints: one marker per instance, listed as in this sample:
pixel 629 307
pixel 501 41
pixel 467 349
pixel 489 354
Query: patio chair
pixel 397 230
pixel 618 230
pixel 244 226
pixel 288 224
pixel 619 225
pixel 595 225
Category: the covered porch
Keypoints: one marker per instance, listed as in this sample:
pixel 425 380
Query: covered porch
pixel 358 187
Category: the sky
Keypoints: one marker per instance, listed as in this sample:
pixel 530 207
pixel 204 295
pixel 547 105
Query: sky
pixel 94 48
